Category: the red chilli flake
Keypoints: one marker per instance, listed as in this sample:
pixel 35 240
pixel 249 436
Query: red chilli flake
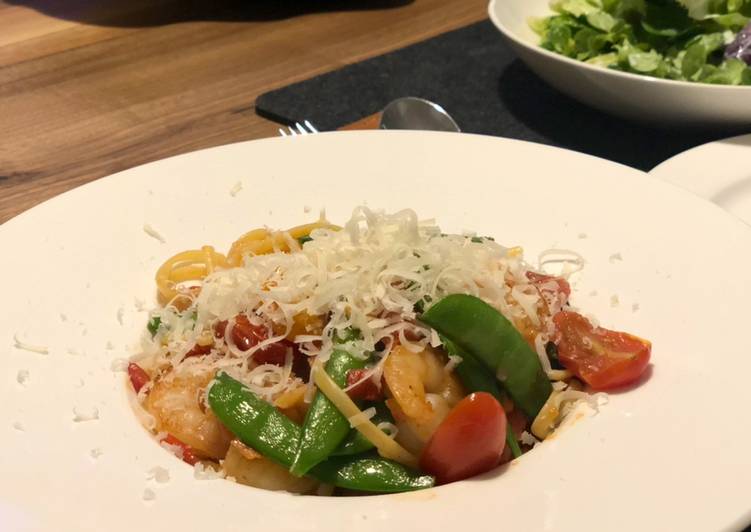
pixel 366 390
pixel 188 455
pixel 138 377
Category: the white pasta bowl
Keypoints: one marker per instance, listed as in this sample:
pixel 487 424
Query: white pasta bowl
pixel 80 280
pixel 630 96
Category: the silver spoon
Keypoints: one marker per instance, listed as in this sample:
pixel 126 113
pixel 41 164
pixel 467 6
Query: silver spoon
pixel 416 113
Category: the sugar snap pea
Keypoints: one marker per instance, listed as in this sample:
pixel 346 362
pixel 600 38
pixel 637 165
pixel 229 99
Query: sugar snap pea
pixel 483 332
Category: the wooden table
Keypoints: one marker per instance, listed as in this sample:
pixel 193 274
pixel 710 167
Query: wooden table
pixel 91 88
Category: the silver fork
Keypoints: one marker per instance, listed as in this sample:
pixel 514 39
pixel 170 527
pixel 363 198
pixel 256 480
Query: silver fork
pixel 306 128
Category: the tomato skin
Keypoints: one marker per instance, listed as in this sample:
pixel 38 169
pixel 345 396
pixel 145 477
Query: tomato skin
pixel 555 291
pixel 138 377
pixel 602 358
pixel 541 279
pixel 198 350
pixel 469 441
pixel 244 334
pixel 275 354
pixel 367 390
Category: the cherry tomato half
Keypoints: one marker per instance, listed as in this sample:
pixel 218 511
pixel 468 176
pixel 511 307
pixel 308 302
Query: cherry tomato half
pixel 603 359
pixel 469 441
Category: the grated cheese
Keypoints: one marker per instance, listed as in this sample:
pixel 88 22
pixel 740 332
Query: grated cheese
pixel 236 188
pixel 205 472
pixel 558 375
pixel 559 405
pixel 453 361
pixel 542 354
pixel 22 377
pixel 369 275
pixel 79 415
pixel 119 364
pixel 389 428
pixel 527 439
pixel 25 346
pixel 149 495
pixel 153 233
pixel 361 417
pixel 158 474
pixel 176 450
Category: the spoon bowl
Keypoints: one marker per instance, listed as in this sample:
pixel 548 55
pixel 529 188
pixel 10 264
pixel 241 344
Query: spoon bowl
pixel 416 113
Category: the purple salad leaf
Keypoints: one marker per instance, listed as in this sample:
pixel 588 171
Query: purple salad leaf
pixel 740 48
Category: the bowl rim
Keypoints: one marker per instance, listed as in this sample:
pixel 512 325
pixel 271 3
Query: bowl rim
pixel 597 70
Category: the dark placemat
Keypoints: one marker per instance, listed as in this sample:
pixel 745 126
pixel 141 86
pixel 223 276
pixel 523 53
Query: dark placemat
pixel 476 77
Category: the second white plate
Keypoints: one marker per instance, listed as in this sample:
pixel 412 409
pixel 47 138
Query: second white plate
pixel 718 171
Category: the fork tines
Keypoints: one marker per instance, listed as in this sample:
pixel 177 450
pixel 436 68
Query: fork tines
pixel 306 128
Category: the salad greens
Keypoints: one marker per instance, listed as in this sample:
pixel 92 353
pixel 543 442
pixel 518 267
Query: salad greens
pixel 690 40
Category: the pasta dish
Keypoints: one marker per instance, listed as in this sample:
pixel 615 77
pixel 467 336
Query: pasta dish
pixel 377 357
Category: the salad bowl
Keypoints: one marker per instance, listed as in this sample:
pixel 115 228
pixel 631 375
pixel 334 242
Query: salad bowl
pixel 640 98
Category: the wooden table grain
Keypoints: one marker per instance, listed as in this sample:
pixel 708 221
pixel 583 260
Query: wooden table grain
pixel 91 88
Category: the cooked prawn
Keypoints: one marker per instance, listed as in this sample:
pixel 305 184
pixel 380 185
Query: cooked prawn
pixel 249 467
pixel 422 394
pixel 176 402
